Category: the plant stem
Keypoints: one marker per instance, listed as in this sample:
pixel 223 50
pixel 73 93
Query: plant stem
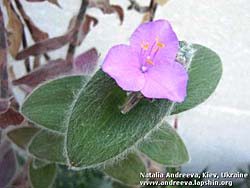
pixel 176 123
pixel 137 7
pixel 132 100
pixel 24 40
pixel 3 60
pixel 77 27
pixel 152 9
pixel 27 60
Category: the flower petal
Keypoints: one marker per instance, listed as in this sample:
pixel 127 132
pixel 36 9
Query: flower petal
pixel 166 81
pixel 148 32
pixel 122 64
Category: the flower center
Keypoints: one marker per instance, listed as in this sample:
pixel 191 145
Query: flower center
pixel 144 68
pixel 150 52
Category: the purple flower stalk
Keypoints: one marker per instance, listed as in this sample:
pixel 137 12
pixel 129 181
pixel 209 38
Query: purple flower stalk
pixel 148 64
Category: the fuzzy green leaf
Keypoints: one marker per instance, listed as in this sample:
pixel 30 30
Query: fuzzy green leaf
pixel 47 106
pixel 42 177
pixel 48 146
pixel 165 147
pixel 37 163
pixel 204 75
pixel 127 170
pixel 98 131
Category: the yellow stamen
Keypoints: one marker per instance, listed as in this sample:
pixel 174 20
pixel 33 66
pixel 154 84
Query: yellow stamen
pixel 149 61
pixel 161 45
pixel 145 46
pixel 158 43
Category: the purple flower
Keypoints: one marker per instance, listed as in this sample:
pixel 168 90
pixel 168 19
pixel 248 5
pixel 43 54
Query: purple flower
pixel 148 64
